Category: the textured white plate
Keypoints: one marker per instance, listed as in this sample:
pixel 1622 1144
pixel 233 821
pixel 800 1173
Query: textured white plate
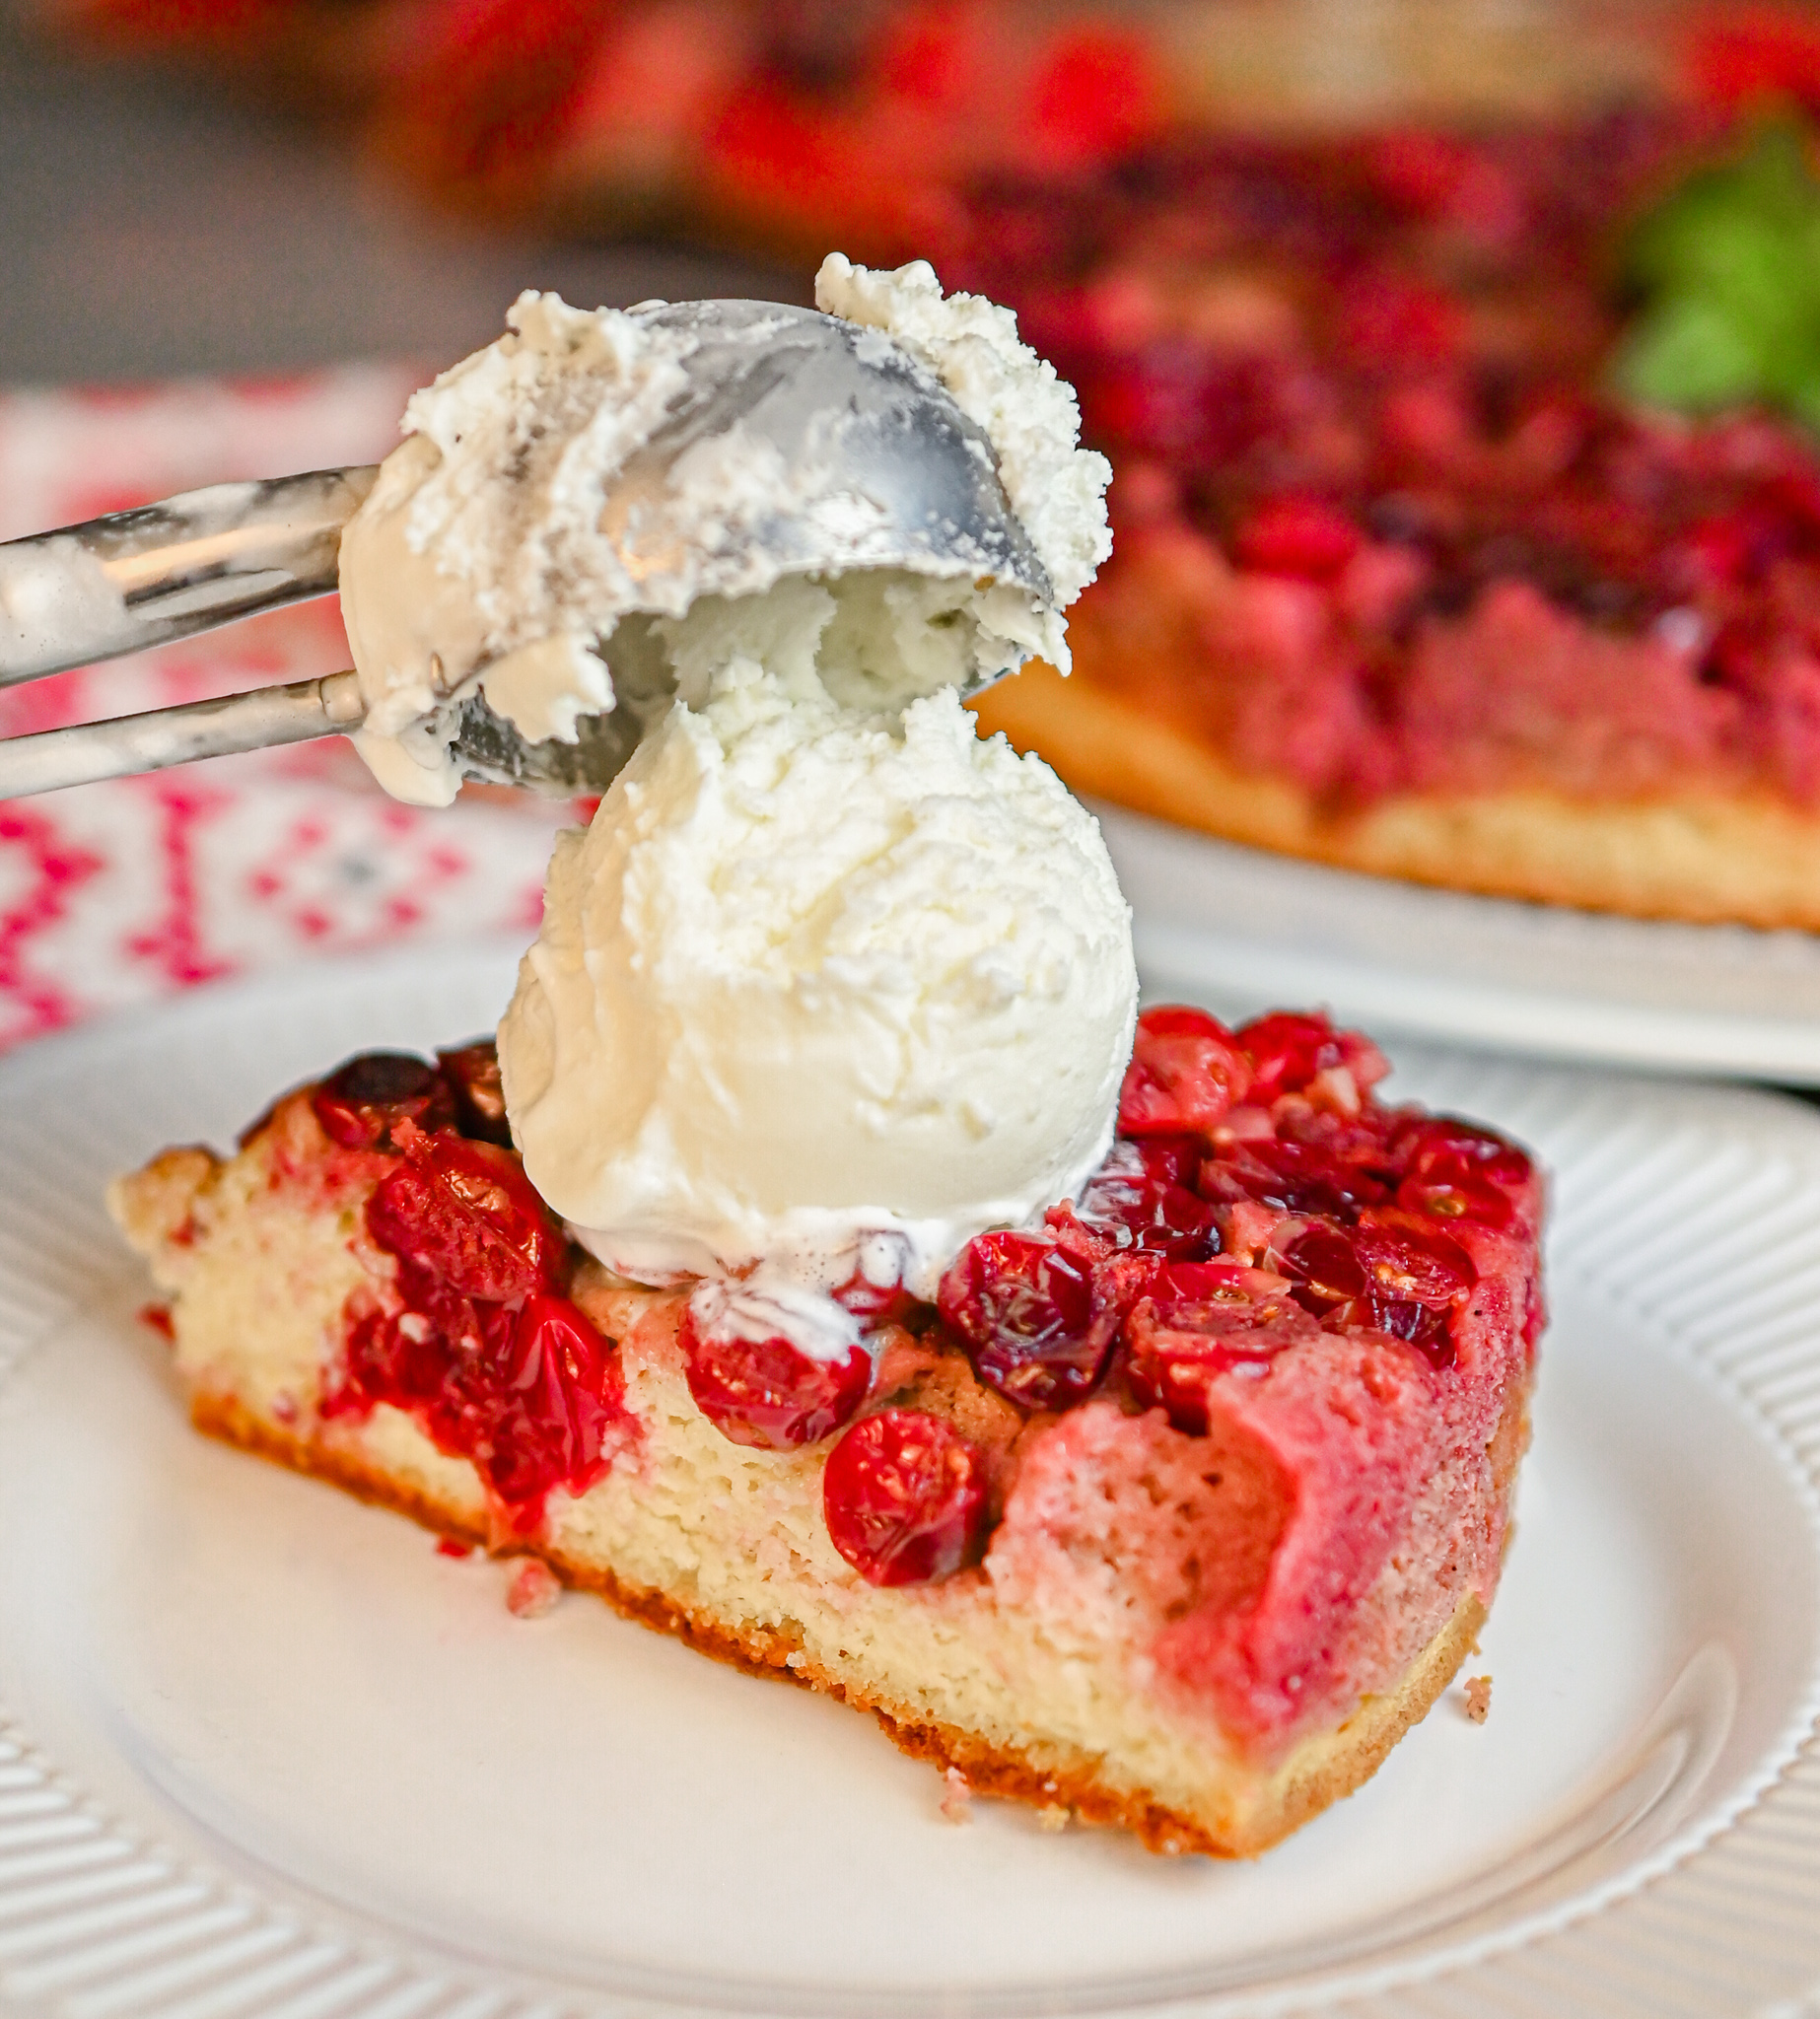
pixel 263 1750
pixel 1240 929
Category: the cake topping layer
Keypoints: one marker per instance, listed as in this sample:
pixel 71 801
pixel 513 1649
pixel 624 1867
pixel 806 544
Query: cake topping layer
pixel 1400 508
pixel 479 1337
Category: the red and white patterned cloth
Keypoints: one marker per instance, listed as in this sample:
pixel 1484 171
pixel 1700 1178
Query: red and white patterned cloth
pixel 114 894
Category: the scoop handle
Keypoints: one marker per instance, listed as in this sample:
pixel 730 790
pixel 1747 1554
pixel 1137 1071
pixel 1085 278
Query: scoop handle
pixel 163 737
pixel 161 572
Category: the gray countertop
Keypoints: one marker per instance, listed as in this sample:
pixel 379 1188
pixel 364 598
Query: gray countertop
pixel 151 226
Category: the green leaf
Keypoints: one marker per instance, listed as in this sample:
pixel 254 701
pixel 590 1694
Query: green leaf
pixel 1688 353
pixel 1728 271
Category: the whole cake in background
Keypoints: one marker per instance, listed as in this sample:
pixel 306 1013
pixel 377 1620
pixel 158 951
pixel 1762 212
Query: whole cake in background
pixel 1469 516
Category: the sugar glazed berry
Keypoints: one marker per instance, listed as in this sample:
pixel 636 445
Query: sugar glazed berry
pixel 479 1340
pixel 1262 1228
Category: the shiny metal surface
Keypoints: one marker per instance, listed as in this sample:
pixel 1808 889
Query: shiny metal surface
pixel 850 416
pixel 191 563
pixel 296 713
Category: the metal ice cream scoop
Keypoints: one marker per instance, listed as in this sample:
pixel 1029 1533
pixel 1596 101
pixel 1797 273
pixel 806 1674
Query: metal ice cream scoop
pixel 831 398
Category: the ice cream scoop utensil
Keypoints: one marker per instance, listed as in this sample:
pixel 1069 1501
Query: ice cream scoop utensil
pixel 838 412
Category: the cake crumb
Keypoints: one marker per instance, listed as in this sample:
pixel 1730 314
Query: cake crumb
pixel 1478 1698
pixel 447 1545
pixel 957 1796
pixel 1052 1816
pixel 533 1591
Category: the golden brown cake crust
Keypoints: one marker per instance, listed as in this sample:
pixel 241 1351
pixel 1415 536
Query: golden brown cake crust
pixel 1319 1771
pixel 1705 857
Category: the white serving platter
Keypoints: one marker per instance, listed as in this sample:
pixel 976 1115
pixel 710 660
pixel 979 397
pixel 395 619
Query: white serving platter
pixel 263 1750
pixel 1240 929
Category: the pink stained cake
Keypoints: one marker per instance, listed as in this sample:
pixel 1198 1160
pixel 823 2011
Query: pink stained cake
pixel 1173 1513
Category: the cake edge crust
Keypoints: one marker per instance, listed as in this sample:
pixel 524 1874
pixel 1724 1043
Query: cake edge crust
pixel 1321 1769
pixel 1703 858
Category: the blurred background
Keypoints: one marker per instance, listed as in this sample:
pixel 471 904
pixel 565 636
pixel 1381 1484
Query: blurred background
pixel 164 210
pixel 237 232
pixel 254 184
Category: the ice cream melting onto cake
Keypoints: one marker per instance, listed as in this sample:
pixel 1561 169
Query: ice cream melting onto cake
pixel 829 985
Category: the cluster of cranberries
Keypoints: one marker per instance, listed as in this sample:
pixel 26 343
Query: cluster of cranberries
pixel 1255 1197
pixel 1394 348
pixel 485 1349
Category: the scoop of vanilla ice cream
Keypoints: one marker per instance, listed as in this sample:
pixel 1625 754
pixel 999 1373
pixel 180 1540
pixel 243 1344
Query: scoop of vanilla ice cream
pixel 813 978
pixel 487 560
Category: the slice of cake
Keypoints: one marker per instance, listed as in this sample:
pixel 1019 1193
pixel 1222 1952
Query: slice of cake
pixel 1174 1511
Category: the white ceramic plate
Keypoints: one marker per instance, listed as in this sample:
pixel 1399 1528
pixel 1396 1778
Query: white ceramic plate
pixel 262 1750
pixel 1242 929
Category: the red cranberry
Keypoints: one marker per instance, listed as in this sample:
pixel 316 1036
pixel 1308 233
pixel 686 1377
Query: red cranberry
pixel 1399 325
pixel 1795 494
pixel 472 1074
pixel 1715 554
pixel 527 1395
pixel 1124 1206
pixel 1438 1143
pixel 1323 1263
pixel 1185 1072
pixel 904 1494
pixel 1456 1195
pixel 549 1396
pixel 1027 1309
pixel 1417 171
pixel 1296 535
pixel 468 1213
pixel 361 1103
pixel 1191 409
pixel 1290 1176
pixel 1287 1052
pixel 1456 1171
pixel 1390 1274
pixel 405 1358
pixel 1359 1141
pixel 1170 1159
pixel 766 1392
pixel 1190 1332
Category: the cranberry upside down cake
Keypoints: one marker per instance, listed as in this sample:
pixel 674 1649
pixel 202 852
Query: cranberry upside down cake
pixel 1174 1512
pixel 1468 507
